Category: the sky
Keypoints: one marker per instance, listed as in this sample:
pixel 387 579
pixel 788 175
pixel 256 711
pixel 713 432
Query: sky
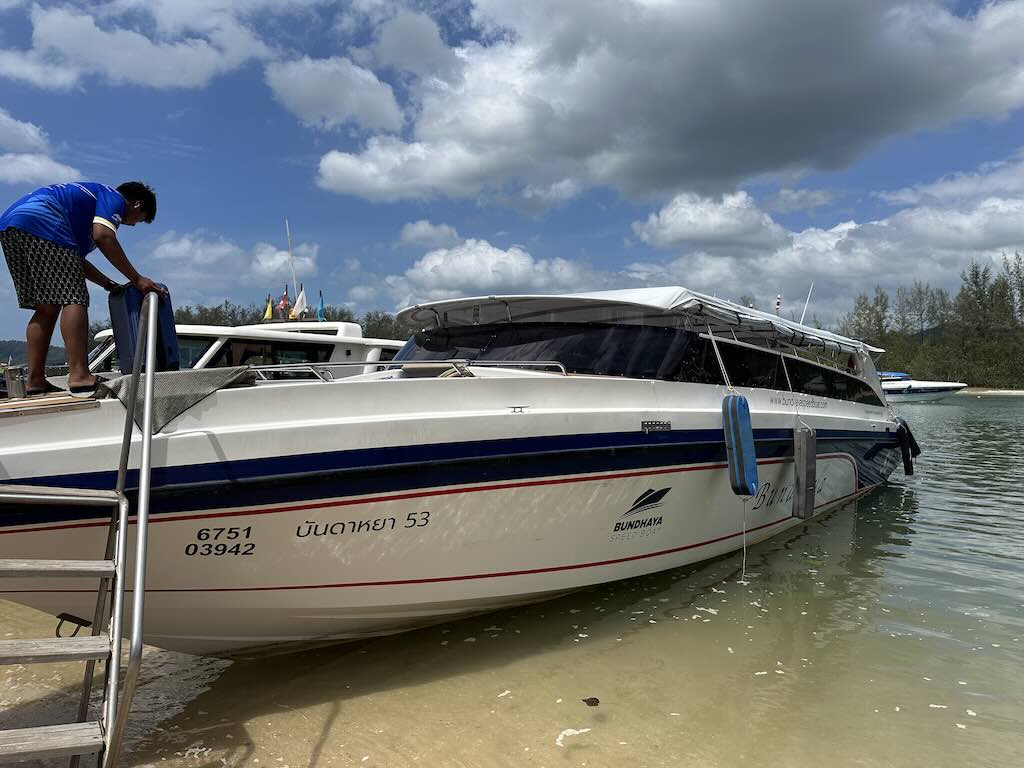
pixel 427 150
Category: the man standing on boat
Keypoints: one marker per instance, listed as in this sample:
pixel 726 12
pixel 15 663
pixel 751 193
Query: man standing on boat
pixel 46 237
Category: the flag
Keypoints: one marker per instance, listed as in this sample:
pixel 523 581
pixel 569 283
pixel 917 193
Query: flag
pixel 268 313
pixel 283 303
pixel 778 303
pixel 320 315
pixel 300 307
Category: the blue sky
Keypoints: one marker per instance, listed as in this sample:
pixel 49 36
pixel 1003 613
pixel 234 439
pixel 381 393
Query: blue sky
pixel 433 149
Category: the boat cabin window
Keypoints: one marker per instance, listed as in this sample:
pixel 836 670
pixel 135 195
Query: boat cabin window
pixel 252 352
pixel 191 349
pixel 748 367
pixel 815 380
pixel 640 352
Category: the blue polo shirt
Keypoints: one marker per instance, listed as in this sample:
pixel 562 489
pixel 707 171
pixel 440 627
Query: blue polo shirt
pixel 64 213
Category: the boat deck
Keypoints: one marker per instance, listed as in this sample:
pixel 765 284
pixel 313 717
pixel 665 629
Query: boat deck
pixel 49 403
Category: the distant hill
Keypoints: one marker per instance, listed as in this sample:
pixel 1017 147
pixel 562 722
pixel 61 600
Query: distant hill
pixel 17 352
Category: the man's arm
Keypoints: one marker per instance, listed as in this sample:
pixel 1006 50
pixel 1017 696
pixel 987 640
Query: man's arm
pixel 93 274
pixel 106 241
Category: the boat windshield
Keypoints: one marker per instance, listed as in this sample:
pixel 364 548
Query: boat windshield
pixel 635 351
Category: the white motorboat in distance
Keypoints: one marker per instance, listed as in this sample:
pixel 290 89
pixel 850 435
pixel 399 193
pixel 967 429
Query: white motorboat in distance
pixel 516 448
pixel 901 388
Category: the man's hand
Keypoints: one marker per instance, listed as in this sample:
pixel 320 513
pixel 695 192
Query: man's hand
pixel 145 285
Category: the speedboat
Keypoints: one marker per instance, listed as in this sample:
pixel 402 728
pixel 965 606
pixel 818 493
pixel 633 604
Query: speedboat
pixel 901 388
pixel 516 448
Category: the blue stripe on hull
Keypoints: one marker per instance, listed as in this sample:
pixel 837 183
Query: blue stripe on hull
pixel 289 479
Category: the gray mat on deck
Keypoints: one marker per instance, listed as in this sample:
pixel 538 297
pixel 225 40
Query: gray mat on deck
pixel 174 392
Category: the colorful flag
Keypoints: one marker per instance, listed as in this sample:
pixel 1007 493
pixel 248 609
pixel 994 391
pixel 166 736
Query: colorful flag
pixel 282 305
pixel 300 307
pixel 268 313
pixel 320 315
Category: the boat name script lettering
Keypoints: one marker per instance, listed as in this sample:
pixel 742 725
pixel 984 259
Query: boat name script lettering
pixel 339 527
pixel 769 495
pixel 803 402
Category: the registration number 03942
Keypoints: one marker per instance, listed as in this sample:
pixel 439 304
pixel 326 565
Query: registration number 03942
pixel 219 542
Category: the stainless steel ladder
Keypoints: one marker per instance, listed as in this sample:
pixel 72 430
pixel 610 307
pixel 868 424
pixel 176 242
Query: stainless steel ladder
pixel 102 736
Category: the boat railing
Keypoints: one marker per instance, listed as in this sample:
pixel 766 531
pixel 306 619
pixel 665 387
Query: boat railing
pixel 323 371
pixel 103 736
pixel 118 706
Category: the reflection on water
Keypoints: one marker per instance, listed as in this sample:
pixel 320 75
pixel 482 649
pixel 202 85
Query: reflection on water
pixel 887 633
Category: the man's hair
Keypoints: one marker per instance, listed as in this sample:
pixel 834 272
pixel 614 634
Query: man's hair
pixel 136 190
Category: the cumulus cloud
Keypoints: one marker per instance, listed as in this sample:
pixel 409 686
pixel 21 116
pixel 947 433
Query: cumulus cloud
pixel 658 97
pixel 786 200
pixel 411 42
pixel 933 242
pixel 269 261
pixel 20 136
pixel 390 169
pixel 1000 178
pixel 209 268
pixel 30 67
pixel 67 43
pixel 477 267
pixel 34 169
pixel 553 194
pixel 423 233
pixel 176 16
pixel 734 221
pixel 361 294
pixel 326 93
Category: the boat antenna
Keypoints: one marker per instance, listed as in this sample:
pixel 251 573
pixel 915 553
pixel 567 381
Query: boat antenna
pixel 806 302
pixel 291 258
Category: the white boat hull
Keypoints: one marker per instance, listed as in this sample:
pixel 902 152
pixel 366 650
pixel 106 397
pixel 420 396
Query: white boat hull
pixel 311 568
pixel 913 391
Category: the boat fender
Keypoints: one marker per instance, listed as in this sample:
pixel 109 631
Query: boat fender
pixel 909 449
pixel 739 445
pixel 805 464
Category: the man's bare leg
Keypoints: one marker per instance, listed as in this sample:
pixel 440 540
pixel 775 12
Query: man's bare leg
pixel 38 335
pixel 74 327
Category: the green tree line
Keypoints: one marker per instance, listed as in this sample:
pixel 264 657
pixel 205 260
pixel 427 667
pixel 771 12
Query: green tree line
pixel 375 323
pixel 975 336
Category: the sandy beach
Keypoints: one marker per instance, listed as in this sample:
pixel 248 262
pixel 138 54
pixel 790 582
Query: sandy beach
pixel 986 391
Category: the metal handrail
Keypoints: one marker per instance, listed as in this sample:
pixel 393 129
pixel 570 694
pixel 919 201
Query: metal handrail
pixel 117 704
pixel 117 700
pixel 316 368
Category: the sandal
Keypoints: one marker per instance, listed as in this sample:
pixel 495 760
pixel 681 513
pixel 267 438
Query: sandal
pixel 84 390
pixel 50 389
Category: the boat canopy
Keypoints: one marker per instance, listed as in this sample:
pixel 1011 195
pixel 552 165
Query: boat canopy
pixel 697 311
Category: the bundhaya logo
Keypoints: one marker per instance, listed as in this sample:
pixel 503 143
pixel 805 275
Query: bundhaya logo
pixel 647 500
pixel 641 523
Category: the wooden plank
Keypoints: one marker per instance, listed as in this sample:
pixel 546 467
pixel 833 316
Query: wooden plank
pixel 34 405
pixel 50 741
pixel 53 568
pixel 41 494
pixel 14 403
pixel 54 649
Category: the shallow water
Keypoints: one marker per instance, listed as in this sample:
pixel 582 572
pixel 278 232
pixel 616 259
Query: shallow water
pixel 888 633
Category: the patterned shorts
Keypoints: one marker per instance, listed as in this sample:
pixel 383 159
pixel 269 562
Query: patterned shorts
pixel 43 271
